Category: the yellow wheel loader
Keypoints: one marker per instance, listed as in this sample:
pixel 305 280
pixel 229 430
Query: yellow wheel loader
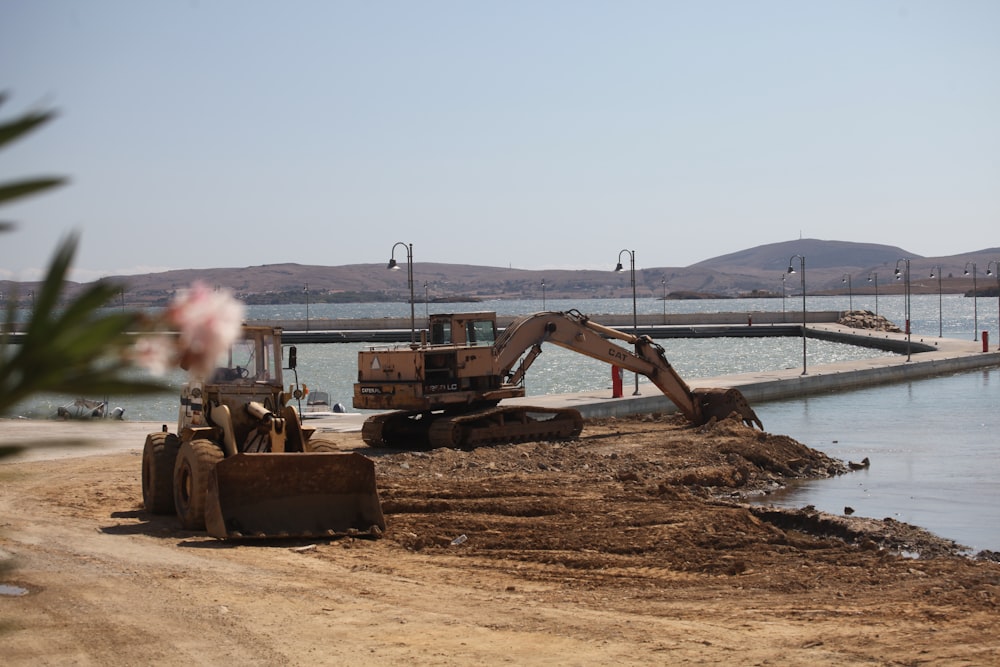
pixel 241 465
pixel 446 392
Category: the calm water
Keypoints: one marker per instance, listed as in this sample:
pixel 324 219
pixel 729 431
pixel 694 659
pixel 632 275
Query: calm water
pixel 934 447
pixel 932 443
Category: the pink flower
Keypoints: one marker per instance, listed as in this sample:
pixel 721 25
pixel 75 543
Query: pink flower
pixel 208 322
pixel 194 331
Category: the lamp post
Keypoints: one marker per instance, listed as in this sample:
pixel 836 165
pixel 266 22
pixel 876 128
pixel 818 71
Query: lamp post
pixel 937 270
pixel 996 272
pixel 635 318
pixel 874 276
pixel 975 301
pixel 663 298
pixel 783 276
pixel 850 291
pixel 409 276
pixel 306 291
pixel 427 307
pixel 906 276
pixel 543 294
pixel 802 271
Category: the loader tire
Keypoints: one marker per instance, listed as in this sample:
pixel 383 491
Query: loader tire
pixel 322 445
pixel 195 462
pixel 158 458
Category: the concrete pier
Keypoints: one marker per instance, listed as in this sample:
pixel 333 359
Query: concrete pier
pixel 928 357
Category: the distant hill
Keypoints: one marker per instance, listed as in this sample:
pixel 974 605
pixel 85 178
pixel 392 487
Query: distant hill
pixel 755 270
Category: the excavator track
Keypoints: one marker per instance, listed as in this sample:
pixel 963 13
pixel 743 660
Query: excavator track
pixel 487 426
pixel 401 429
pixel 505 425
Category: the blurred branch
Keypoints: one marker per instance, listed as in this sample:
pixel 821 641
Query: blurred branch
pixel 75 348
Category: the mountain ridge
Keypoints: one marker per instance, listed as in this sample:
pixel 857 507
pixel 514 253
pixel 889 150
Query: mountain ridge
pixel 758 270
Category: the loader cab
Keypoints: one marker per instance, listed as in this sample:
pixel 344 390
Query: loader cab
pixel 254 358
pixel 464 329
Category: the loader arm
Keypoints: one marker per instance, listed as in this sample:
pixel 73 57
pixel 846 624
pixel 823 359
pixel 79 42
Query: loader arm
pixel 575 331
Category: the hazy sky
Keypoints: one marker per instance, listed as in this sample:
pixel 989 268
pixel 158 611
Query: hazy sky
pixel 537 134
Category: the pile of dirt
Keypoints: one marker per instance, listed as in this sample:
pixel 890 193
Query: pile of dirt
pixel 635 492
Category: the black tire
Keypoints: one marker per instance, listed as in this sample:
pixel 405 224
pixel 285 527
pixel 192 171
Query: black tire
pixel 158 457
pixel 321 445
pixel 195 462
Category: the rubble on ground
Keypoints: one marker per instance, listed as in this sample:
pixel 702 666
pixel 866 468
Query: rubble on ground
pixel 866 319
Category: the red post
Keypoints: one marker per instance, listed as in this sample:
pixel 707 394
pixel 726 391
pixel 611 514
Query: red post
pixel 616 382
pixel 986 341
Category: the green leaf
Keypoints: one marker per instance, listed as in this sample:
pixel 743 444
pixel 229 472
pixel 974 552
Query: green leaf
pixel 14 129
pixel 18 189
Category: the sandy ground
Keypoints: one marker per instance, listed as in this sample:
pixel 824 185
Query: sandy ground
pixel 631 545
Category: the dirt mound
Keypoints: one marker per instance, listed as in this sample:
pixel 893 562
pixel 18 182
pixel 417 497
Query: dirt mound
pixel 642 492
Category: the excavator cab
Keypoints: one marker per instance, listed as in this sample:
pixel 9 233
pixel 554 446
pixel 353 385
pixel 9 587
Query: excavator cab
pixel 464 329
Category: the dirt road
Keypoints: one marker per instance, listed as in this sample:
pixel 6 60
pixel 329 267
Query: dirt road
pixel 630 545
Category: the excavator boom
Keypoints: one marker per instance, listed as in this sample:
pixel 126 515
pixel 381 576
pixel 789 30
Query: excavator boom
pixel 575 331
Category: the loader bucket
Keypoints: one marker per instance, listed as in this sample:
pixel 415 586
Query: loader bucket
pixel 319 494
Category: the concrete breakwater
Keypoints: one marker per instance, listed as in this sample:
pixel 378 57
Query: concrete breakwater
pixel 914 357
pixel 680 325
pixel 928 357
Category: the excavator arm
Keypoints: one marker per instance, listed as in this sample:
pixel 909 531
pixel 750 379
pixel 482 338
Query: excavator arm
pixel 575 331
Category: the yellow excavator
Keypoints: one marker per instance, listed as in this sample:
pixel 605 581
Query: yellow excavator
pixel 446 391
pixel 241 465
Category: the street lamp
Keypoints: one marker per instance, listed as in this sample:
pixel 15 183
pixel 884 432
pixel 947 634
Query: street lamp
pixel 543 294
pixel 996 271
pixel 306 290
pixel 783 276
pixel 937 270
pixel 874 276
pixel 975 301
pixel 906 277
pixel 427 301
pixel 635 318
pixel 663 283
pixel 409 276
pixel 802 271
pixel 850 291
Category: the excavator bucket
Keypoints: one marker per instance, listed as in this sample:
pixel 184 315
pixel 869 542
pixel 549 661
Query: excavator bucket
pixel 722 403
pixel 318 494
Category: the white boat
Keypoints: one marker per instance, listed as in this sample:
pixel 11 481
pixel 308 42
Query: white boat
pixel 83 408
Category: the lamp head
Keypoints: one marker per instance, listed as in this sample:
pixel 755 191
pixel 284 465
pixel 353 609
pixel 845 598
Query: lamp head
pixel 393 266
pixel 618 267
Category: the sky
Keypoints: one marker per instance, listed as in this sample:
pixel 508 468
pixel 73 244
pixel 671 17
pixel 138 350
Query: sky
pixel 544 134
